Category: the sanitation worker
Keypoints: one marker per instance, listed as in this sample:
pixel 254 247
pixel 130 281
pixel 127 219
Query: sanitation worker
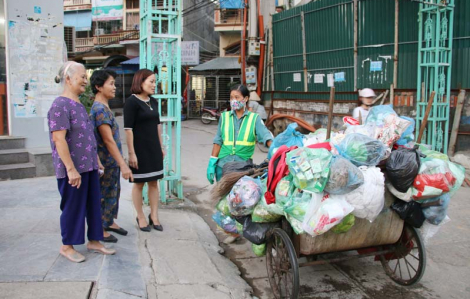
pixel 236 137
pixel 237 134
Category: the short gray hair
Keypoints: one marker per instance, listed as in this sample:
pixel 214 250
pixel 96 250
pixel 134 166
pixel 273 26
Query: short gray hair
pixel 67 70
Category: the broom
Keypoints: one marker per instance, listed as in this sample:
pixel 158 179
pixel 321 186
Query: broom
pixel 229 180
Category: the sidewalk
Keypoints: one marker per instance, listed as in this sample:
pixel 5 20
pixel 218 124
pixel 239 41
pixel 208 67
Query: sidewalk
pixel 183 261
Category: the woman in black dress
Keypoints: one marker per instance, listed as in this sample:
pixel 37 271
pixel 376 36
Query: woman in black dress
pixel 144 143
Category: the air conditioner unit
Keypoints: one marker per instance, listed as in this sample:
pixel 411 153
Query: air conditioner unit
pixel 99 32
pixel 69 37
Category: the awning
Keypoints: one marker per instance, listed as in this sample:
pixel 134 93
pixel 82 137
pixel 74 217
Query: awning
pixel 135 60
pixel 221 63
pixel 231 4
pixel 79 19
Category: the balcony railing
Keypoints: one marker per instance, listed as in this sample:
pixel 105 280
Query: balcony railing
pixel 76 2
pixel 71 5
pixel 85 44
pixel 228 19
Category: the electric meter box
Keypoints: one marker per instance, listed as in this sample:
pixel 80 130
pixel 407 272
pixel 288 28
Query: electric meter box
pixel 251 75
pixel 253 48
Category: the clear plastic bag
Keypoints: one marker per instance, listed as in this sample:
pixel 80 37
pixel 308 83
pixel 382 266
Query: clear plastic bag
pixel 378 114
pixel 324 213
pixel 295 224
pixel 392 129
pixel 313 138
pixel 361 150
pixel 407 135
pixel 367 129
pixel 459 173
pixel 284 190
pixel 226 223
pixel 290 137
pixel 261 213
pixel 368 200
pixel 436 214
pixel 345 225
pixel 310 168
pixel 344 176
pixel 298 204
pixel 222 206
pixel 244 196
pixel 434 179
pixel 428 230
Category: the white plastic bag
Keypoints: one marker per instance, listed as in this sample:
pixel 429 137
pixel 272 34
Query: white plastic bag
pixel 429 230
pixel 324 212
pixel 368 130
pixel 313 138
pixel 368 199
pixel 400 195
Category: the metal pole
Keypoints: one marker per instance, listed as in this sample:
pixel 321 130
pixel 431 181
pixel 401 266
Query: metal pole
pixel 304 50
pixel 456 124
pixel 330 112
pixel 395 48
pixel 418 92
pixel 271 55
pixel 449 72
pixel 355 44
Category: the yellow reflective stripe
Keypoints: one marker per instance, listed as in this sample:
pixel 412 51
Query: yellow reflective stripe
pixel 254 127
pixel 226 124
pixel 246 143
pixel 248 128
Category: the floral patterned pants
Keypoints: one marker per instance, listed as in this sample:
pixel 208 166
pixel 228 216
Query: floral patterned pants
pixel 110 191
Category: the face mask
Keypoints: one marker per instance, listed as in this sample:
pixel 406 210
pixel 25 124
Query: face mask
pixel 237 105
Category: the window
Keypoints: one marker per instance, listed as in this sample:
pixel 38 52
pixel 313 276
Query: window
pixel 109 27
pixel 132 21
pixel 132 4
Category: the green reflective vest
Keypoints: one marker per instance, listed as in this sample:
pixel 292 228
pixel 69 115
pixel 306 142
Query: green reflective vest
pixel 244 146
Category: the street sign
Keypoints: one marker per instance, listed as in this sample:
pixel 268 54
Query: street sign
pixel 190 53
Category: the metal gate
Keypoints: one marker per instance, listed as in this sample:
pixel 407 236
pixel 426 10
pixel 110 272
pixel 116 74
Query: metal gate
pixel 209 91
pixel 436 19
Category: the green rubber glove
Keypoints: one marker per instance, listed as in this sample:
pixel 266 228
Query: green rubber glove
pixel 211 169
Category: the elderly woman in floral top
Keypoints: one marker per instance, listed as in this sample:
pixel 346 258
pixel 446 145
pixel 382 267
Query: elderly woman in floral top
pixel 76 164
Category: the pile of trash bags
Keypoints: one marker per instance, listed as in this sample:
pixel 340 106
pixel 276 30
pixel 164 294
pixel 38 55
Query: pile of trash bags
pixel 332 182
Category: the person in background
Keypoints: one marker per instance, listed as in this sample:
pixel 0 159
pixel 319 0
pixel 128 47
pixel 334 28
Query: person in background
pixel 109 151
pixel 144 142
pixel 366 97
pixel 236 137
pixel 76 165
pixel 256 107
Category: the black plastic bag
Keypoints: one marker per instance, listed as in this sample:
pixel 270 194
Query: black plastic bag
pixel 256 233
pixel 402 168
pixel 237 166
pixel 411 212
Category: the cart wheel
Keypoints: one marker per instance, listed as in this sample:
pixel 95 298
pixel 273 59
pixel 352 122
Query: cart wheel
pixel 206 118
pixel 282 266
pixel 406 265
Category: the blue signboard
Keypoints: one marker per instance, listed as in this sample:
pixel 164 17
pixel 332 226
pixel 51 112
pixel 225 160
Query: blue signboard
pixel 376 66
pixel 340 77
